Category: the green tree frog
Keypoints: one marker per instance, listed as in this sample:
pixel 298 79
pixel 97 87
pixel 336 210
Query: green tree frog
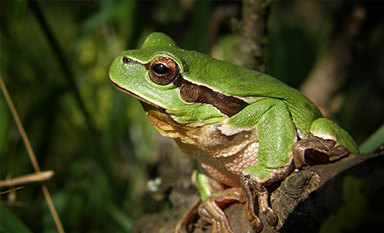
pixel 246 129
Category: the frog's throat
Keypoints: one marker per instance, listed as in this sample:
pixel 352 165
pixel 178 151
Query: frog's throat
pixel 156 114
pixel 163 121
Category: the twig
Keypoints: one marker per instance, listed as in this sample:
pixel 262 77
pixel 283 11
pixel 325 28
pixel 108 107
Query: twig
pixel 36 177
pixel 12 197
pixel 11 190
pixel 31 155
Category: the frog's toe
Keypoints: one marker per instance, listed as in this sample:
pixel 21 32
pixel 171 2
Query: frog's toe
pixel 263 197
pixel 337 152
pixel 256 224
pixel 221 227
pixel 271 216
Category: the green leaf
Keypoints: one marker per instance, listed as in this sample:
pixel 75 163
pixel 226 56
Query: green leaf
pixel 10 223
pixel 374 141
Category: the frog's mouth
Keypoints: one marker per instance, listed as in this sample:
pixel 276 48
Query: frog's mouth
pixel 156 114
pixel 142 100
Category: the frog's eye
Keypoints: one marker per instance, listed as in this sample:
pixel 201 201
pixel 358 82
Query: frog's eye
pixel 163 70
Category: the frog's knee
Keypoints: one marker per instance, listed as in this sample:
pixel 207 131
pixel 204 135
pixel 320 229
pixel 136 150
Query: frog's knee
pixel 328 130
pixel 266 176
pixel 257 172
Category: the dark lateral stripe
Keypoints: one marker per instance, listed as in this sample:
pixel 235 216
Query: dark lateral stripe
pixel 193 93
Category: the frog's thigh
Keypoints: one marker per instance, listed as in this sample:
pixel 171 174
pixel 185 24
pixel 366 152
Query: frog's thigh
pixel 277 135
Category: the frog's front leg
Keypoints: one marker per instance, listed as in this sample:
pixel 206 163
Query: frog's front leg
pixel 277 135
pixel 252 186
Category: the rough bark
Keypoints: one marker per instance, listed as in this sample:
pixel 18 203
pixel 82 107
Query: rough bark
pixel 304 201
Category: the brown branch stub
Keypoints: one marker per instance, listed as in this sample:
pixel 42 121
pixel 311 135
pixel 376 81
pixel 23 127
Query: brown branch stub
pixel 36 177
pixel 248 50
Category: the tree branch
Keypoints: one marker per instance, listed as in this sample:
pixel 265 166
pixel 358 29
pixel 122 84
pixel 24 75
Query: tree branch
pixel 304 201
pixel 248 50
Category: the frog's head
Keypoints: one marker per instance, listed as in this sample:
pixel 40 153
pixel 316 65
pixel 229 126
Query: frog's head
pixel 159 75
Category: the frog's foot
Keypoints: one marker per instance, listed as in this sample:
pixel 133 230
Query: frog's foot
pixel 315 150
pixel 252 186
pixel 211 209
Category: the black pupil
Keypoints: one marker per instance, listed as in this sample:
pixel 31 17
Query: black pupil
pixel 160 69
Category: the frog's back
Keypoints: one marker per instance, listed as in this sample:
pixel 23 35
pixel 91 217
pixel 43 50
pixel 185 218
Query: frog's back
pixel 251 86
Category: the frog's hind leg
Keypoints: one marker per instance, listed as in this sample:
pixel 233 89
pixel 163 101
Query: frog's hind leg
pixel 211 210
pixel 314 150
pixel 327 142
pixel 188 217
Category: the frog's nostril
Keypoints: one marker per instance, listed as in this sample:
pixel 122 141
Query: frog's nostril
pixel 125 59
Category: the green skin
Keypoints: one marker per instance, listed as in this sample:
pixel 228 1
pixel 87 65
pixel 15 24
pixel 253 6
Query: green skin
pixel 280 114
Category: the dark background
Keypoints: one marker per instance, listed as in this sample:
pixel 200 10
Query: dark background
pixel 55 58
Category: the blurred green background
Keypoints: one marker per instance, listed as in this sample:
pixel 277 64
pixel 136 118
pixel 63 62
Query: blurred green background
pixel 55 57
